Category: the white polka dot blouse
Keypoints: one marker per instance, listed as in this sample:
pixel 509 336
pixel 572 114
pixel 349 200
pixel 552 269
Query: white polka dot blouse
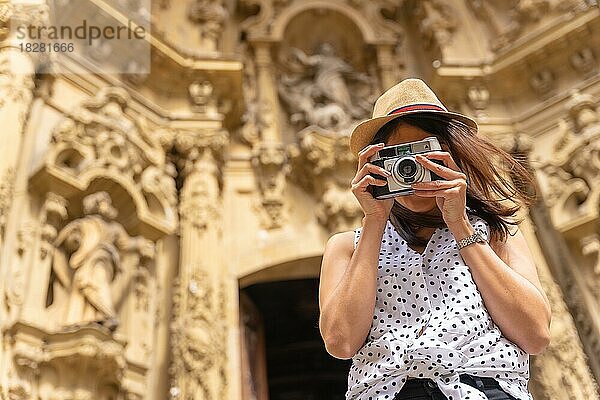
pixel 430 322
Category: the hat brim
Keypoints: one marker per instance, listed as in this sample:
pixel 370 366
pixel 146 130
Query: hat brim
pixel 364 132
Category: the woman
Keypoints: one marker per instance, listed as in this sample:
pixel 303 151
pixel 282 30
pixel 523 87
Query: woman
pixel 436 296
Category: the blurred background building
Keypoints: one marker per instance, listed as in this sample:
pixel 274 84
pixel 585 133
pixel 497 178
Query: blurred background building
pixel 161 232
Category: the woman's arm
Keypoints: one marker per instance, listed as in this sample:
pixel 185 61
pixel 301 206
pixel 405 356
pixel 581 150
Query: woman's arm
pixel 347 288
pixel 504 272
pixel 349 276
pixel 510 287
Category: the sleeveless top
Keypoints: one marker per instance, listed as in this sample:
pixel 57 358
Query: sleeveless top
pixel 430 322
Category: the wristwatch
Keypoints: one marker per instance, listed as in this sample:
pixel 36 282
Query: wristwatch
pixel 474 238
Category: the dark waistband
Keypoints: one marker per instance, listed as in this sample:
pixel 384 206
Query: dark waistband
pixel 476 381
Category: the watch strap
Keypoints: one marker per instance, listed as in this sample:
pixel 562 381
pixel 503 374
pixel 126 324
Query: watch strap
pixel 474 238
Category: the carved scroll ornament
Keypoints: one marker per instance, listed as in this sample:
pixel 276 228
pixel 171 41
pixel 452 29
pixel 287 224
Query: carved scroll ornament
pixel 570 179
pixel 324 166
pixel 99 140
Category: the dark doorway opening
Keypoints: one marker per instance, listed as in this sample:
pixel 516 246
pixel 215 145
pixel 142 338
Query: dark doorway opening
pixel 297 365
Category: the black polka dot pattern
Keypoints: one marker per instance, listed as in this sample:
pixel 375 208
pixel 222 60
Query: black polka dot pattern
pixel 430 322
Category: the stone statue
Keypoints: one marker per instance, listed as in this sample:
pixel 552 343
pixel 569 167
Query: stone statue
pixel 323 91
pixel 87 258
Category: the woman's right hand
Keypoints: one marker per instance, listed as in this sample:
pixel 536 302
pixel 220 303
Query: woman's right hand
pixel 360 184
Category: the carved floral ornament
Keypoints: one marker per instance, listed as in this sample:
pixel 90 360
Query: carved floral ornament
pixel 323 164
pixel 99 140
pixel 271 165
pixel 269 18
pixel 506 22
pixel 199 338
pixel 210 16
pixel 37 352
pixel 570 180
pixel 22 12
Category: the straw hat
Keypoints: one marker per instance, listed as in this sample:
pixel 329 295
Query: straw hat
pixel 411 96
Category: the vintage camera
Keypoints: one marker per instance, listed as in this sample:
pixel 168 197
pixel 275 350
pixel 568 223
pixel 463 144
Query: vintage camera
pixel 400 161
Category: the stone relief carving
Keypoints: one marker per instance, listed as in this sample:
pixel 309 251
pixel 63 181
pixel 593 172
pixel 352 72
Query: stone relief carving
pixel 210 15
pixel 570 178
pixel 590 247
pixel 562 370
pixel 324 90
pixel 199 338
pixel 15 86
pixel 99 139
pixel 34 13
pixel 54 212
pixel 256 116
pixel 543 81
pixel 197 206
pixel 584 60
pixel 506 21
pixel 437 23
pixel 7 185
pixel 202 98
pixel 478 97
pixel 86 260
pixel 47 359
pixel 93 262
pixel 324 166
pixel 270 162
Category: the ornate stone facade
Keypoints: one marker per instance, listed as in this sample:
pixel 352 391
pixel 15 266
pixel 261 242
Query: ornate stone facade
pixel 136 208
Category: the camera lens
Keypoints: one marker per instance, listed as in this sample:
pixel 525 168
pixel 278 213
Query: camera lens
pixel 406 168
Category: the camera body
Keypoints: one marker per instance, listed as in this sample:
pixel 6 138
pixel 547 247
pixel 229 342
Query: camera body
pixel 400 161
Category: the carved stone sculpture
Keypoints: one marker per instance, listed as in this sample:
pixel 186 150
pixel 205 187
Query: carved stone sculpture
pixel 327 90
pixel 571 176
pixel 324 166
pixel 210 15
pixel 85 263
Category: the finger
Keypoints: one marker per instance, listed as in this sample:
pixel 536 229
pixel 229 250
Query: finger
pixel 364 154
pixel 437 185
pixel 370 168
pixel 445 157
pixel 443 171
pixel 366 181
pixel 446 193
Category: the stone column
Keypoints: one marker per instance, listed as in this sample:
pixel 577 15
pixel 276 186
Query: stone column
pixel 270 157
pixel 562 371
pixel 268 99
pixel 385 64
pixel 199 368
pixel 17 71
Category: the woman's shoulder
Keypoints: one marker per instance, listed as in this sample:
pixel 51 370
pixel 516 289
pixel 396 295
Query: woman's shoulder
pixel 338 250
pixel 342 240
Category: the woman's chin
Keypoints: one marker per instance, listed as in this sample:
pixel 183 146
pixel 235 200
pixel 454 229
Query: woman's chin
pixel 418 204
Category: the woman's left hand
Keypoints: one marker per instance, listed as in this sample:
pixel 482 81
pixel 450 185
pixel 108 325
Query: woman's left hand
pixel 451 193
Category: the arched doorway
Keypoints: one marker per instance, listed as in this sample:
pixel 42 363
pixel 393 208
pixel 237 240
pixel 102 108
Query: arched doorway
pixel 282 351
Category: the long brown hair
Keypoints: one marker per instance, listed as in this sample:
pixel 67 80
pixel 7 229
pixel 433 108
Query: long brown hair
pixel 498 184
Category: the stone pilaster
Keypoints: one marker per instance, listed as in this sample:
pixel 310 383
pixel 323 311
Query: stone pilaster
pixel 267 92
pixel 270 157
pixel 385 63
pixel 199 327
pixel 562 371
pixel 17 70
